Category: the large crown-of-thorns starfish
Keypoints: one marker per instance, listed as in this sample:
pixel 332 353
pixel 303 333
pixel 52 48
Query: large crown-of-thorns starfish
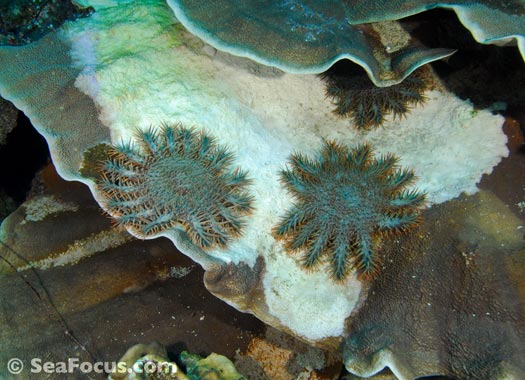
pixel 345 201
pixel 176 177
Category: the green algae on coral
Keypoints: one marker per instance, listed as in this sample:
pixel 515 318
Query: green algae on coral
pixel 176 177
pixel 345 201
pixel 213 367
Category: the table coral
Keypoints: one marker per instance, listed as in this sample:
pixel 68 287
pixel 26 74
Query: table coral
pixel 308 36
pixel 300 36
pixel 489 21
pixel 345 201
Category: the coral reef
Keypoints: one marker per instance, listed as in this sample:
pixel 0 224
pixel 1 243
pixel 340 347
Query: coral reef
pixel 90 84
pixel 130 288
pixel 455 287
pixel 56 228
pixel 345 201
pixel 24 21
pixel 176 177
pixel 356 97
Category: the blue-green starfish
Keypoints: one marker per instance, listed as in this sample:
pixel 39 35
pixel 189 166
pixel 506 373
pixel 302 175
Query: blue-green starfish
pixel 345 201
pixel 176 178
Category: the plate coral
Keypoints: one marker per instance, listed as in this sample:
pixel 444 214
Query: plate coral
pixel 309 36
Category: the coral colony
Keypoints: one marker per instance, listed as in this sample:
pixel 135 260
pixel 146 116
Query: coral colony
pixel 300 36
pixel 345 201
pixel 176 177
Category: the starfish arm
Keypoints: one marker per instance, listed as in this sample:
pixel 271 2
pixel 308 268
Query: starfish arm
pixel 411 198
pixel 365 255
pixel 382 166
pixel 149 140
pixel 398 222
pixel 304 168
pixel 291 221
pixel 339 261
pixel 400 179
pixel 317 246
pixel 303 235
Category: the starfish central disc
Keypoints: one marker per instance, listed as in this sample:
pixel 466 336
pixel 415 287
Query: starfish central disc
pixel 346 201
pixel 177 181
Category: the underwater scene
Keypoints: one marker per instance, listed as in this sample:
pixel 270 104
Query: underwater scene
pixel 262 190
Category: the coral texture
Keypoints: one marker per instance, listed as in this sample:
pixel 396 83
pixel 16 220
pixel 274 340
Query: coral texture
pixel 212 367
pixel 8 119
pixel 176 177
pixel 355 96
pixel 301 36
pixel 309 36
pixel 345 201
pixel 24 21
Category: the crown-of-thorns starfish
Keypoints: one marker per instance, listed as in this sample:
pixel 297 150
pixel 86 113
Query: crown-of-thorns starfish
pixel 345 200
pixel 176 177
pixel 356 97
